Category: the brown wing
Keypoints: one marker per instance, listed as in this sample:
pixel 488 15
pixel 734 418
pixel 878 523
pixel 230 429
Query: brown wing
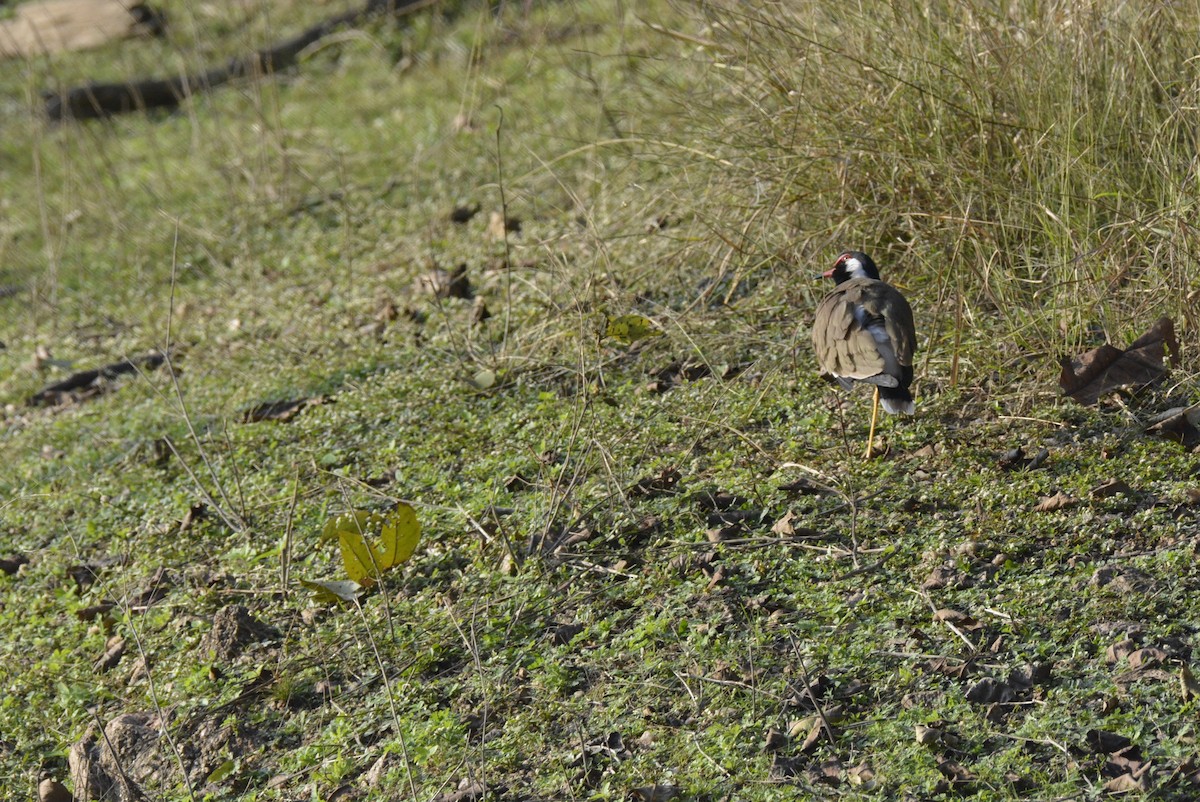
pixel 845 347
pixel 885 301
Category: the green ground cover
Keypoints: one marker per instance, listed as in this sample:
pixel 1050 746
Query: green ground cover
pixel 648 570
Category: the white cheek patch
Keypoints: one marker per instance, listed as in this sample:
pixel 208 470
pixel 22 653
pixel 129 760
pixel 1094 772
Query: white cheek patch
pixel 854 268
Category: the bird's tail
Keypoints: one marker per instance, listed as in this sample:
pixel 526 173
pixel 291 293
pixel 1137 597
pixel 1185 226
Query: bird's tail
pixel 896 400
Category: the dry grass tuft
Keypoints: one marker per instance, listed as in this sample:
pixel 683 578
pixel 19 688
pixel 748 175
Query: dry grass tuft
pixel 1030 172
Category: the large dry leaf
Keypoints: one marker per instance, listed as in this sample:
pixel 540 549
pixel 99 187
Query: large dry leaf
pixel 1181 424
pixel 1126 784
pixel 1059 501
pixel 958 619
pixel 953 771
pixel 989 691
pixel 1110 488
pixel 1102 370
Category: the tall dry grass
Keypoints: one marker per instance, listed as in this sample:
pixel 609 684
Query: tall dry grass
pixel 1028 168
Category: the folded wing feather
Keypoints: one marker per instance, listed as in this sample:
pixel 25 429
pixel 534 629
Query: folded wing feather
pixel 863 332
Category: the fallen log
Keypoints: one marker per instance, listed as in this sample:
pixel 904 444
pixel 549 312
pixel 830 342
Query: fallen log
pixel 96 100
pixel 43 27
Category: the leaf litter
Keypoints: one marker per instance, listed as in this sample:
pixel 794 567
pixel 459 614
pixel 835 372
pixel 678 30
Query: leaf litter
pixel 1101 371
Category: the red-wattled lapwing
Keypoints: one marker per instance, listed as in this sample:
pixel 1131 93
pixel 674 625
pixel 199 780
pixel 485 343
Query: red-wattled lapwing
pixel 864 332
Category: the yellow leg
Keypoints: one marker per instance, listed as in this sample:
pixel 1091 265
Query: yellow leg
pixel 874 417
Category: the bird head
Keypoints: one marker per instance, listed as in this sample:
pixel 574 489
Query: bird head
pixel 852 264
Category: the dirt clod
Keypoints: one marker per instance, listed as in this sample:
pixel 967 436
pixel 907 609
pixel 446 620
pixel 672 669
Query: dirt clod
pixel 234 629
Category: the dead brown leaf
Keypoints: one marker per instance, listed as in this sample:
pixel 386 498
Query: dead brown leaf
pixel 960 620
pixel 1059 501
pixel 774 740
pixel 953 771
pixel 1089 376
pixel 113 650
pixel 1122 579
pixel 861 775
pixel 1111 488
pixel 1181 424
pixel 1125 784
pixel 783 527
pixel 947 575
pixel 1119 650
pixel 1149 657
pixel 282 411
pixel 990 691
pixel 721 534
pixel 950 667
pixel 813 736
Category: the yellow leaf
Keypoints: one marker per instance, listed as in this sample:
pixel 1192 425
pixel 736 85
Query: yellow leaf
pixel 360 559
pixel 631 328
pixel 400 533
pixel 359 522
pixel 372 543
